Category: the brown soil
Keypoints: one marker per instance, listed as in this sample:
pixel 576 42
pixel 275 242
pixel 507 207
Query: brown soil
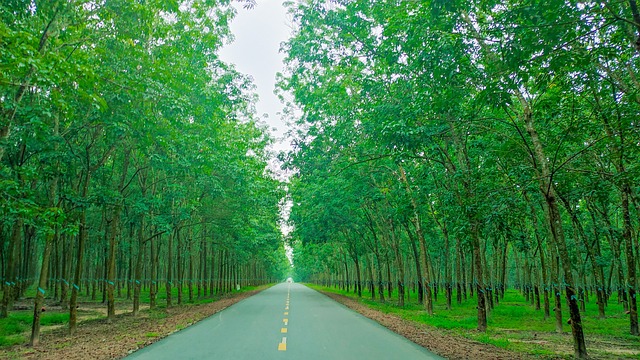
pixel 97 339
pixel 441 342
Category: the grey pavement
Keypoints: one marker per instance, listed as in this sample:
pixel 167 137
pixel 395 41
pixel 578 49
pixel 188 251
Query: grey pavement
pixel 286 321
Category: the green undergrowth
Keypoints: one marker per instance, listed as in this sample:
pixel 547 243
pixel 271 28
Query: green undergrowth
pixel 15 328
pixel 515 325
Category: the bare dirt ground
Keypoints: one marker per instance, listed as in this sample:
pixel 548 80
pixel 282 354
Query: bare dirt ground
pixel 441 342
pixel 97 339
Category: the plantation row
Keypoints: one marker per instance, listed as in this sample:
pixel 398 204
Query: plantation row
pixel 467 148
pixel 130 156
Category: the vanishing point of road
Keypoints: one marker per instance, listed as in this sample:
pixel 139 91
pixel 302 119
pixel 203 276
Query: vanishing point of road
pixel 286 321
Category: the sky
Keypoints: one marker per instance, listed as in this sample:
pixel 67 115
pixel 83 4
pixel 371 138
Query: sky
pixel 258 33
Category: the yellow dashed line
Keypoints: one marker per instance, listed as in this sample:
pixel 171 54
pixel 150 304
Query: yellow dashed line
pixel 282 346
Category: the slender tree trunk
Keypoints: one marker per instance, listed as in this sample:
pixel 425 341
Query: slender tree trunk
pixel 424 256
pixel 480 287
pixel 203 265
pixel 82 238
pixel 190 259
pixel 419 275
pixel 448 282
pixel 137 277
pixel 64 283
pixel 372 287
pixel 169 283
pixel 631 263
pixel 591 255
pixel 153 286
pixel 548 190
pixel 179 266
pixel 358 279
pixel 114 228
pixel 50 241
pixel 543 265
pixel 41 290
pixel 395 241
pixel 460 282
pixel 380 281
pixel 10 281
pixel 389 279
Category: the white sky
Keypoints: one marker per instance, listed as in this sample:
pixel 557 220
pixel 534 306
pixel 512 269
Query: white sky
pixel 255 51
pixel 258 33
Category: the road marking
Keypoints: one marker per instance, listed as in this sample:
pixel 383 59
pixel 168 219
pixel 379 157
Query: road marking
pixel 283 345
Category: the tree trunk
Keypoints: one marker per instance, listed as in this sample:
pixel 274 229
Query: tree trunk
pixel 631 263
pixel 82 238
pixel 10 281
pixel 543 265
pixel 179 267
pixel 114 228
pixel 153 286
pixel 358 279
pixel 428 297
pixel 169 283
pixel 460 282
pixel 380 281
pixel 480 287
pixel 137 277
pixel 190 276
pixel 50 241
pixel 547 188
pixel 41 290
pixel 419 275
pixel 591 255
pixel 395 241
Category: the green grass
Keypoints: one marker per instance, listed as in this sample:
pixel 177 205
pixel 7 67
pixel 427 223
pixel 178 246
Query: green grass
pixel 514 324
pixel 15 328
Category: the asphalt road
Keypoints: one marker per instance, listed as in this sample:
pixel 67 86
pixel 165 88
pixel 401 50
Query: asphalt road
pixel 287 321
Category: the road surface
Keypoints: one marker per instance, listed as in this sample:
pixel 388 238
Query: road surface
pixel 286 321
